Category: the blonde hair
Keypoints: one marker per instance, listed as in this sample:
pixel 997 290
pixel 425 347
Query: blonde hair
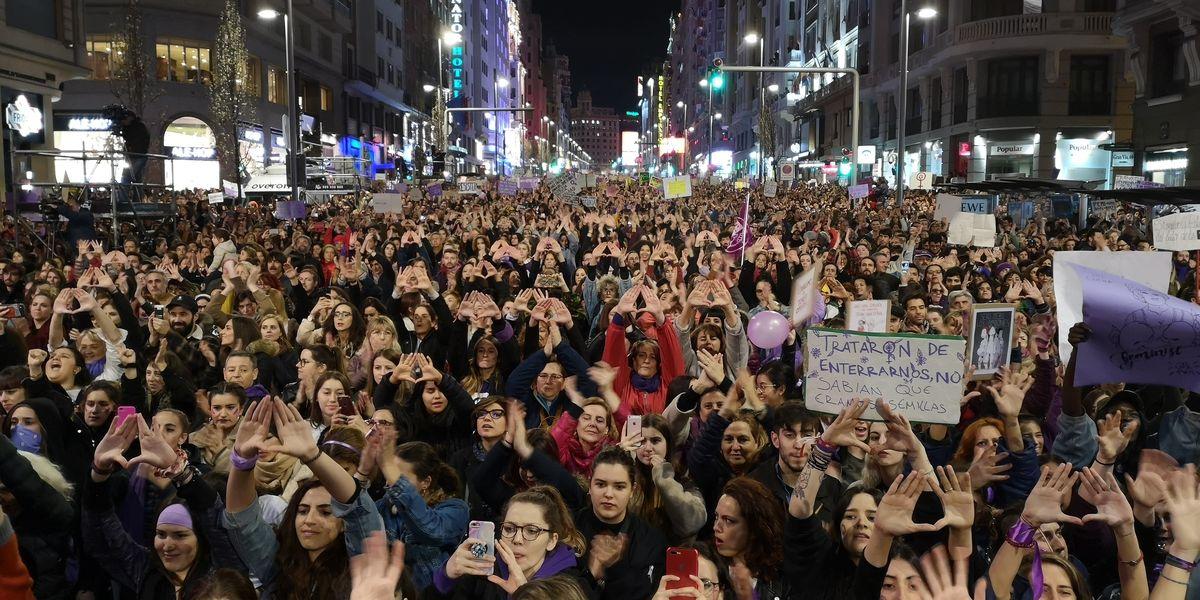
pixel 612 433
pixel 49 473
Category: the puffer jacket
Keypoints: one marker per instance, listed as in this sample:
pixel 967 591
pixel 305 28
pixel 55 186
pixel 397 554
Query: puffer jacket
pixel 43 524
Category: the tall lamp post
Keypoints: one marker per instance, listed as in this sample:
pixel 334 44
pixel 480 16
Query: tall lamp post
pixel 752 39
pixel 499 84
pixel 683 129
pixel 902 116
pixel 293 124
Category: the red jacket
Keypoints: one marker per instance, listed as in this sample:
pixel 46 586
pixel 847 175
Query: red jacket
pixel 670 366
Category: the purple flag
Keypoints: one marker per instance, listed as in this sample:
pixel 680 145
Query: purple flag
pixel 1138 335
pixel 742 237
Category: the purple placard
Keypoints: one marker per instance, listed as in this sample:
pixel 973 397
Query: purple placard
pixel 1138 335
pixel 290 210
pixel 528 183
pixel 434 191
pixel 506 187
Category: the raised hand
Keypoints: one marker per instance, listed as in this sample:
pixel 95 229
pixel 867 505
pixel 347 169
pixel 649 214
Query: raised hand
pixel 516 577
pixel 294 433
pixel 841 431
pixel 602 375
pixel 958 499
pixel 62 302
pixel 464 562
pixel 374 574
pixel 1044 503
pixel 894 515
pixel 255 429
pixel 1010 394
pixel 1183 504
pixel 405 369
pixel 1112 438
pixel 1112 508
pixel 628 302
pixel 109 452
pixel 87 302
pixel 713 366
pixel 156 452
pixel 987 469
pixel 900 435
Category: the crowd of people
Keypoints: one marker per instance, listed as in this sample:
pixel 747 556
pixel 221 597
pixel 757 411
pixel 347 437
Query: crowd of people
pixel 515 396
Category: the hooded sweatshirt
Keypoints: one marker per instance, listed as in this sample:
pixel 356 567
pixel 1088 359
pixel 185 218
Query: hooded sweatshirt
pixel 560 561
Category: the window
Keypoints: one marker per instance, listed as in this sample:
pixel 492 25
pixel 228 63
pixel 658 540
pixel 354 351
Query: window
pixel 35 16
pixel 989 9
pixel 960 93
pixel 1090 91
pixel 379 66
pixel 103 56
pixel 303 34
pixel 914 109
pixel 390 30
pixel 253 83
pixel 1011 88
pixel 1166 64
pixel 276 84
pixel 183 61
pixel 378 21
pixel 325 46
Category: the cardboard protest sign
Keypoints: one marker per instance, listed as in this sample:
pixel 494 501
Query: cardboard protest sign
pixel 970 229
pixel 978 204
pixel 470 188
pixel 506 187
pixel 588 201
pixel 216 198
pixel 1139 335
pixel 387 202
pixel 771 188
pixel 948 205
pixel 291 210
pixel 991 337
pixel 919 376
pixel 806 300
pixel 1180 231
pixel 528 183
pixel 677 187
pixel 1151 269
pixel 564 186
pixel 435 190
pixel 868 315
pixel 861 190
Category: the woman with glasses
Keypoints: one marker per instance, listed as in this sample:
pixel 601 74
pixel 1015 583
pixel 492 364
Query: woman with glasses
pixel 314 361
pixel 537 540
pixel 491 424
pixel 420 505
pixel 711 581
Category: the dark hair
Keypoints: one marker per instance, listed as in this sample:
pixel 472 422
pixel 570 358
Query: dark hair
pixel 781 375
pixel 202 564
pixel 615 455
pixel 711 330
pixel 314 406
pixel 541 441
pixel 13 377
pixel 559 587
pixel 358 326
pixel 229 388
pixel 763 516
pixel 707 552
pixel 184 422
pixel 343 444
pixel 839 513
pixel 790 414
pixel 225 584
pixel 332 359
pixel 221 232
pixel 245 330
pixel 109 388
pixel 326 577
pixel 242 354
pixel 426 463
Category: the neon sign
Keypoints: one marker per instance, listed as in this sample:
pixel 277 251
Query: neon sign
pixel 457 60
pixel 23 117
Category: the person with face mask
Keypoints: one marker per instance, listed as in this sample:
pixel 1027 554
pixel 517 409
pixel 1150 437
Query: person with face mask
pixel 42 516
pixel 188 542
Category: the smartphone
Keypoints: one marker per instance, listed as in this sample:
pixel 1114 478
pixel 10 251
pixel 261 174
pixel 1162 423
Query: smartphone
pixel 485 532
pixel 683 563
pixel 633 426
pixel 346 406
pixel 26 439
pixel 125 412
pixel 159 311
pixel 12 311
pixel 904 265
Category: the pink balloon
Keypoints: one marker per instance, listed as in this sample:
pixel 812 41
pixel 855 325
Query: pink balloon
pixel 768 329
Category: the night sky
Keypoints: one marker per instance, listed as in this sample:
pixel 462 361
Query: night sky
pixel 609 41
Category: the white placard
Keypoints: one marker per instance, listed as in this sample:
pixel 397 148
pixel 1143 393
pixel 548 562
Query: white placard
pixel 948 205
pixel 470 187
pixel 919 376
pixel 861 190
pixel 921 180
pixel 387 202
pixel 806 295
pixel 216 198
pixel 787 171
pixel 677 187
pixel 564 186
pixel 1127 182
pixel 868 315
pixel 1180 231
pixel 770 188
pixel 866 155
pixel 1151 269
pixel 970 229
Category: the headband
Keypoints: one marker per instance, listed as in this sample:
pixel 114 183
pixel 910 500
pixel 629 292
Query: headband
pixel 175 514
pixel 343 445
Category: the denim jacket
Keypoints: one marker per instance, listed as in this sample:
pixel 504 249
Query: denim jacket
pixel 430 533
pixel 256 542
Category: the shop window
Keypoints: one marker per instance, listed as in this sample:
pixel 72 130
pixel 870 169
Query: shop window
pixel 183 61
pixel 104 56
pixel 326 98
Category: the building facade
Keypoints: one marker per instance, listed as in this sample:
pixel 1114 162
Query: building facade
pixel 597 129
pixel 1164 60
pixel 43 48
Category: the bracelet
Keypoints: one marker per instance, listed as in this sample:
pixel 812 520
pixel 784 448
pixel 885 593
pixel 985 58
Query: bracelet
pixel 174 470
pixel 826 446
pixel 1184 583
pixel 185 476
pixel 242 463
pixel 1104 463
pixel 1179 563
pixel 100 471
pixel 1132 563
pixel 1021 534
pixel 306 462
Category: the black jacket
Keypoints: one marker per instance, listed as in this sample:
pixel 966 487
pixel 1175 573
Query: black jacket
pixel 43 524
pixel 637 571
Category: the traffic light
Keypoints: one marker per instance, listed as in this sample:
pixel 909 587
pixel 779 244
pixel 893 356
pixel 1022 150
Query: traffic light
pixel 718 81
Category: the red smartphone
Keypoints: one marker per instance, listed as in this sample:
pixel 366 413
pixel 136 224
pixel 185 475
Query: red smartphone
pixel 683 563
pixel 346 406
pixel 125 412
pixel 12 311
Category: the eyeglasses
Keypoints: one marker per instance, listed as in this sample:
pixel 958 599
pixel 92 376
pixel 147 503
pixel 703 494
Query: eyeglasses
pixel 763 386
pixel 379 422
pixel 509 531
pixel 305 361
pixel 550 376
pixel 495 414
pixel 709 585
pixel 343 314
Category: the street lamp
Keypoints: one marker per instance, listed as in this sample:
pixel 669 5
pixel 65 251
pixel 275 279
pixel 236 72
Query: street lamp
pixel 752 39
pixel 428 88
pixel 902 116
pixel 499 84
pixel 293 129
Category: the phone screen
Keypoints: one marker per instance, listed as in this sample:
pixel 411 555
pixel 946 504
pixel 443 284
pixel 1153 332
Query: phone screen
pixel 346 406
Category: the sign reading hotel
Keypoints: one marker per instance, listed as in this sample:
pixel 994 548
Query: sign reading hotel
pixel 457 60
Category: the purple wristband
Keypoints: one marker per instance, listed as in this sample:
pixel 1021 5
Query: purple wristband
pixel 825 446
pixel 241 463
pixel 1021 534
pixel 1175 561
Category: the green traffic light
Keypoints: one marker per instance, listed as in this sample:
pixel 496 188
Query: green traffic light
pixel 718 81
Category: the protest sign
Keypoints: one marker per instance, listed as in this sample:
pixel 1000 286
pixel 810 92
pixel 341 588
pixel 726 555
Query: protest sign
pixel 1180 231
pixel 564 186
pixel 528 183
pixel 1139 335
pixel 216 198
pixel 677 187
pixel 230 188
pixel 387 202
pixel 868 315
pixel 1151 269
pixel 948 205
pixel 861 190
pixel 506 187
pixel 588 201
pixel 806 299
pixel 978 204
pixel 921 180
pixel 1127 182
pixel 612 190
pixel 919 376
pixel 435 190
pixel 770 188
pixel 970 229
pixel 991 338
pixel 470 188
pixel 291 210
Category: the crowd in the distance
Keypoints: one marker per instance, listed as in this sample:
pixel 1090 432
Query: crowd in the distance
pixel 546 401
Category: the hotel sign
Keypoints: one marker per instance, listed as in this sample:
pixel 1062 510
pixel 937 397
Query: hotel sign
pixel 457 59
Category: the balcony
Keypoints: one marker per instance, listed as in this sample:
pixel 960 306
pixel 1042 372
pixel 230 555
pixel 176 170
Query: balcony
pixel 1040 24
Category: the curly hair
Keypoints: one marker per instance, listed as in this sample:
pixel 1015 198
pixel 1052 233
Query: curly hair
pixel 764 519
